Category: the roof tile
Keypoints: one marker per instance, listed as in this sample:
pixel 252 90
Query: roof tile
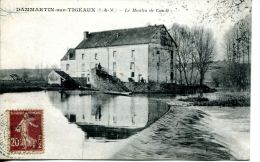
pixel 141 35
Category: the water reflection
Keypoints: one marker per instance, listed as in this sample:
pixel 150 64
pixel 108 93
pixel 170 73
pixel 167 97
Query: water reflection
pixel 109 116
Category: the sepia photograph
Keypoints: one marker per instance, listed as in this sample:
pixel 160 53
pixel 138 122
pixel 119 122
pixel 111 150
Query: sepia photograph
pixel 126 80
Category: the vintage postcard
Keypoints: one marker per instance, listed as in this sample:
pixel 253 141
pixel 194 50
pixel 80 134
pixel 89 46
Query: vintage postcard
pixel 125 80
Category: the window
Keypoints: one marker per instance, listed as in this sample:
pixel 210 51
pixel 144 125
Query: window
pixel 114 66
pixel 82 56
pixel 71 56
pixel 139 77
pixel 156 52
pixel 132 65
pixel 67 67
pixel 83 66
pixel 132 74
pixel 114 54
pixel 133 54
pixel 88 78
pixel 82 75
pixel 96 56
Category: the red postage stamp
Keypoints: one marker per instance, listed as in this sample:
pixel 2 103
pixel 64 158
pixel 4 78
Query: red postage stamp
pixel 26 131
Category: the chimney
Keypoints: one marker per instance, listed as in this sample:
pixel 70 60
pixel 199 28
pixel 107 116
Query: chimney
pixel 86 35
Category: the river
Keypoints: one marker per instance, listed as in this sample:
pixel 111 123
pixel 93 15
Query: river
pixel 138 127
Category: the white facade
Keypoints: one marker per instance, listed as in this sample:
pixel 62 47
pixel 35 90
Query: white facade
pixel 136 54
pixel 69 66
pixel 126 61
pixel 54 78
pixel 129 62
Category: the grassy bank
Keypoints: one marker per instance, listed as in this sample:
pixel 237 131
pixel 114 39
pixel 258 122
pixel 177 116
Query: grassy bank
pixel 134 87
pixel 223 99
pixel 165 88
pixel 17 86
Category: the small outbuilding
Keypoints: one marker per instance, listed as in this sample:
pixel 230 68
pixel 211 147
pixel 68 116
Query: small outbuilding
pixel 62 79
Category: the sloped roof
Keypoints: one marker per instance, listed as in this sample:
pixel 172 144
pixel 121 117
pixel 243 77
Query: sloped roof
pixel 141 35
pixel 70 55
pixel 63 75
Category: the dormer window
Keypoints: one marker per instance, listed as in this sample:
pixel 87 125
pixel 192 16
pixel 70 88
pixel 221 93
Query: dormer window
pixel 71 56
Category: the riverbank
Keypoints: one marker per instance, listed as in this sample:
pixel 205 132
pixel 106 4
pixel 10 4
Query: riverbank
pixel 223 99
pixel 18 86
pixel 134 87
pixel 7 86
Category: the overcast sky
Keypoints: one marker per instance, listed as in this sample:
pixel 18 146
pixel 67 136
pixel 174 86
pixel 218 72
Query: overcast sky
pixel 42 38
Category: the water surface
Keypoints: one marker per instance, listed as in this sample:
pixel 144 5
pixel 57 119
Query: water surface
pixel 137 127
pixel 109 116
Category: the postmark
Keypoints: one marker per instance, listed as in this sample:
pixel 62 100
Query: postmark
pixel 25 131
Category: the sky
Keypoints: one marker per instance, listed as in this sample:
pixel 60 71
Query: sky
pixel 31 39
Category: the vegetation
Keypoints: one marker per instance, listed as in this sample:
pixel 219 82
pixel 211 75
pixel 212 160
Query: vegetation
pixel 18 86
pixel 237 46
pixel 27 74
pixel 195 52
pixel 242 101
pixel 234 99
pixel 225 10
pixel 194 99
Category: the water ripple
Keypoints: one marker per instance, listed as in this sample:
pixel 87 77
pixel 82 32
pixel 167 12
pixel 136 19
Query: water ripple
pixel 181 134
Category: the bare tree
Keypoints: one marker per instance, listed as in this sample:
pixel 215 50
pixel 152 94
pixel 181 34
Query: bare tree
pixel 222 10
pixel 25 74
pixel 238 41
pixel 238 49
pixel 184 62
pixel 204 51
pixel 175 31
pixel 217 11
pixel 186 54
pixel 54 67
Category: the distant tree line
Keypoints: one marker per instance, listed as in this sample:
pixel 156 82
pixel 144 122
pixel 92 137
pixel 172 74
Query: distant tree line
pixel 237 45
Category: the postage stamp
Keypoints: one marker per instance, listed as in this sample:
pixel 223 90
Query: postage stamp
pixel 26 131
